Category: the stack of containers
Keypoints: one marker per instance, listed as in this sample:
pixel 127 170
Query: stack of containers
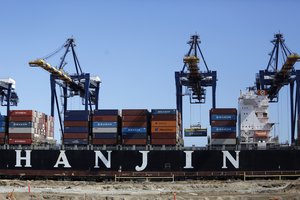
pixel 135 125
pixel 105 127
pixel 26 127
pixel 223 126
pixel 164 127
pixel 2 128
pixel 76 127
pixel 49 128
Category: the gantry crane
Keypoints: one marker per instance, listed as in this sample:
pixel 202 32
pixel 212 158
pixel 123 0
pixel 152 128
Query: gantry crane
pixel 8 96
pixel 273 78
pixel 193 78
pixel 79 84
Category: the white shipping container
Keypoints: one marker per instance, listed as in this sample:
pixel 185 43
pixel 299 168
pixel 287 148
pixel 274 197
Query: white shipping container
pixel 22 130
pixel 105 130
pixel 223 141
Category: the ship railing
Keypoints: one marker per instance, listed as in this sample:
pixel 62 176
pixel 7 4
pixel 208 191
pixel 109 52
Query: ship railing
pixel 146 178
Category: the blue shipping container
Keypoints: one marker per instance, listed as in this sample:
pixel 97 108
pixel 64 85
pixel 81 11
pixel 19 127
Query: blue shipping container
pixel 163 111
pixel 134 135
pixel 134 130
pixel 105 124
pixel 3 118
pixel 201 133
pixel 105 135
pixel 219 129
pixel 106 112
pixel 75 141
pixel 222 117
pixel 2 129
pixel 21 124
pixel 75 129
pixel 2 124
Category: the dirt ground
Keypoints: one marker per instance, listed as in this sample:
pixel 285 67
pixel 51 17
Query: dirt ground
pixel 134 190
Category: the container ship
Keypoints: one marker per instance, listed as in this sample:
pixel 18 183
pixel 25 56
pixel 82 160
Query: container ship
pixel 141 143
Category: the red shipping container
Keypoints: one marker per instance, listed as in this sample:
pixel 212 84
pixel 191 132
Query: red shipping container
pixel 20 135
pixel 2 135
pixel 108 118
pixel 76 123
pixel 104 141
pixel 135 112
pixel 164 117
pixel 163 141
pixel 134 141
pixel 134 118
pixel 20 141
pixel 223 135
pixel 2 140
pixel 223 111
pixel 223 123
pixel 22 113
pixel 22 119
pixel 76 135
pixel 135 124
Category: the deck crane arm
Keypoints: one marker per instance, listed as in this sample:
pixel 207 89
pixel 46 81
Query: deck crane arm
pixel 272 79
pixel 193 79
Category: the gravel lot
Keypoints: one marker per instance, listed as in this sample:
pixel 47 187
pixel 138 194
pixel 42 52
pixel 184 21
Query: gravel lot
pixel 200 190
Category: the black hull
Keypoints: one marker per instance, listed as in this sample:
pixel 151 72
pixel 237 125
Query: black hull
pixel 156 163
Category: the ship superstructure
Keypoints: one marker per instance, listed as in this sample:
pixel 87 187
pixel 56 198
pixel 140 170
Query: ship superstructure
pixel 254 124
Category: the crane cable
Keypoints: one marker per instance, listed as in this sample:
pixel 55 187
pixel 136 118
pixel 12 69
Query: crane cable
pixel 53 53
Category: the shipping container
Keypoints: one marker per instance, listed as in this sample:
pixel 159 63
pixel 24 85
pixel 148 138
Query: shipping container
pixel 105 130
pixel 134 135
pixel 76 129
pixel 223 117
pixel 216 129
pixel 22 130
pixel 20 141
pixel 223 111
pixel 75 141
pixel 128 118
pixel 3 118
pixel 164 135
pixel 76 123
pixel 135 124
pixel 223 135
pixel 2 123
pixel 105 118
pixel 23 119
pixel 2 129
pixel 106 112
pixel 75 135
pixel 134 130
pixel 105 136
pixel 164 117
pixel 223 141
pixel 163 111
pixel 105 124
pixel 195 132
pixel 163 123
pixel 71 117
pixel 223 123
pixel 163 129
pixel 21 135
pixel 163 141
pixel 104 141
pixel 24 113
pixel 2 135
pixel 135 112
pixel 134 141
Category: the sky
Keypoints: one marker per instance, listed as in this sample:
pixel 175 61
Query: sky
pixel 135 46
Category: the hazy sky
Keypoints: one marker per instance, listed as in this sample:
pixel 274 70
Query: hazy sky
pixel 135 47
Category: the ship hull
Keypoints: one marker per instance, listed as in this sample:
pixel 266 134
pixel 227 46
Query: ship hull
pixel 157 163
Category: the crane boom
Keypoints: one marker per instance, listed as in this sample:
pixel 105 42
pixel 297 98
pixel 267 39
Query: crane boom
pixel 59 73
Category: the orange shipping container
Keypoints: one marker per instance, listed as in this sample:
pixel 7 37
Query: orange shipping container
pixel 130 118
pixel 155 129
pixel 260 134
pixel 164 123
